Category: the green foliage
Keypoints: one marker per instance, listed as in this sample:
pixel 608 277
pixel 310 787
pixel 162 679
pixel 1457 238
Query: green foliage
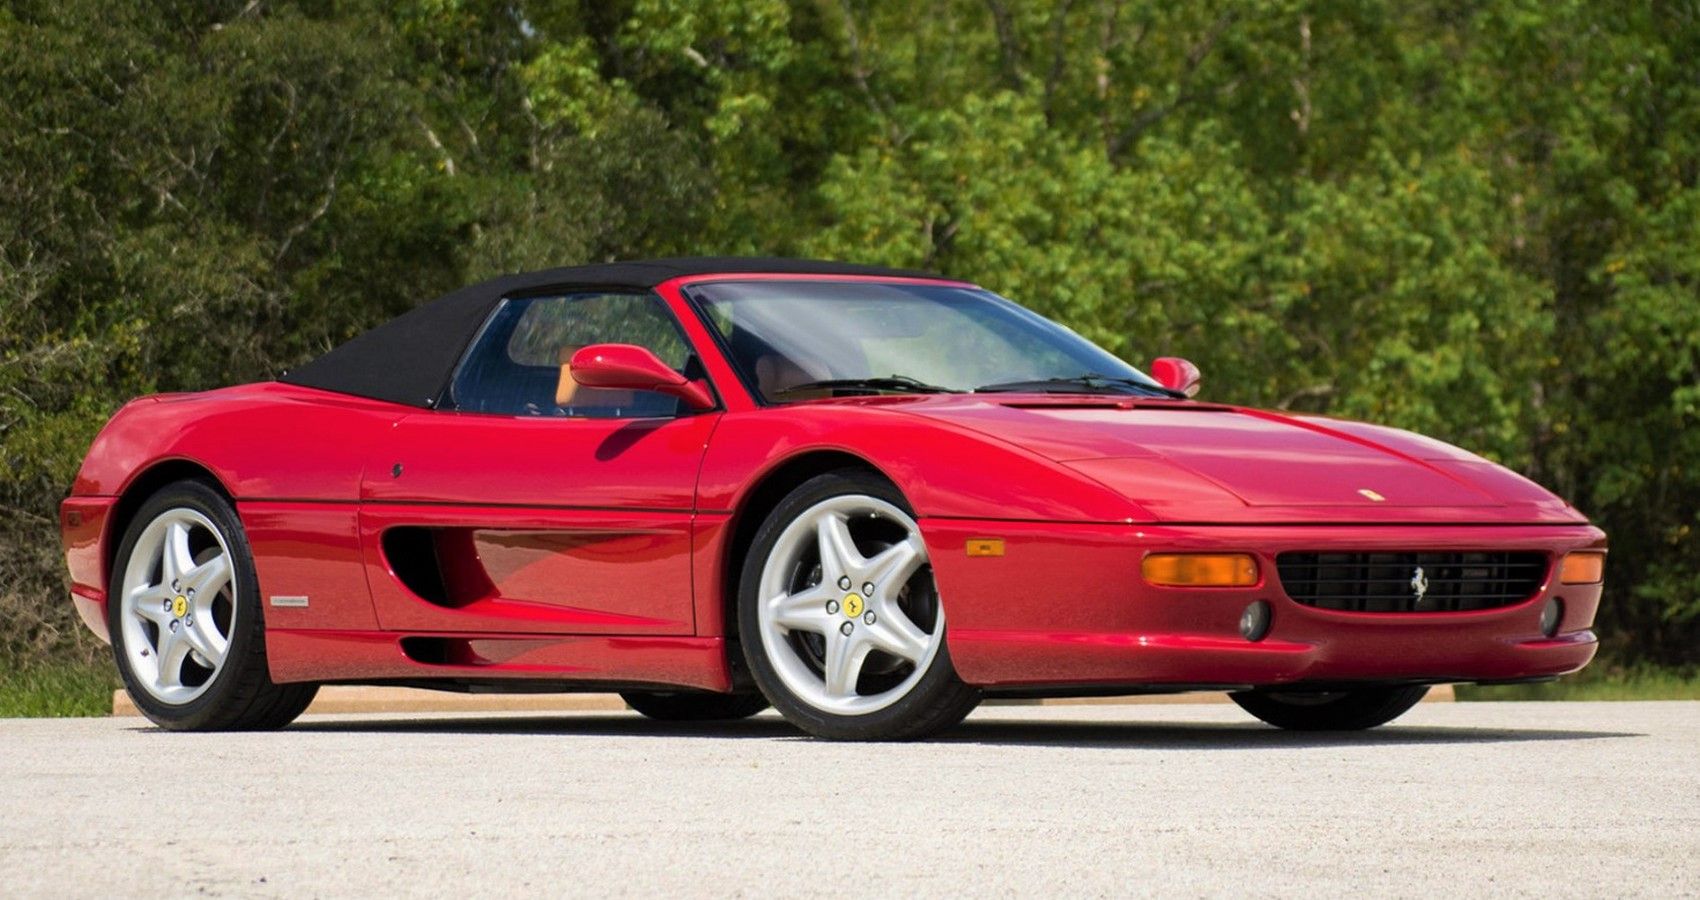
pixel 1479 221
pixel 58 689
pixel 1599 682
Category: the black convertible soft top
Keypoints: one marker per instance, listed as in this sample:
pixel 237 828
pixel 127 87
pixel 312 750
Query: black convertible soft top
pixel 411 358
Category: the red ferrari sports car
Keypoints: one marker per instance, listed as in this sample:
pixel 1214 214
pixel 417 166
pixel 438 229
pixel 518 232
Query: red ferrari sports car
pixel 718 484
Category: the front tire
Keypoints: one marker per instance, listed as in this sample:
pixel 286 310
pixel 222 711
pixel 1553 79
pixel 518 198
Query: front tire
pixel 184 614
pixel 839 618
pixel 1353 710
pixel 685 706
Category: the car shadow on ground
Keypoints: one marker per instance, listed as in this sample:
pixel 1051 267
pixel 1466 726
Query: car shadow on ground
pixel 1170 735
pixel 1152 735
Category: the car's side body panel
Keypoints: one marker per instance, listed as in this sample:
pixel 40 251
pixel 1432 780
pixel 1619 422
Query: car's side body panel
pixel 542 570
pixel 310 563
pixel 540 524
pixel 262 441
pixel 291 459
pixel 639 465
pixel 606 509
pixel 589 661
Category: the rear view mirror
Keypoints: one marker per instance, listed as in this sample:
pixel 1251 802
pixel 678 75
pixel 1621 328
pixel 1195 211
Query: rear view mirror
pixel 1176 374
pixel 632 368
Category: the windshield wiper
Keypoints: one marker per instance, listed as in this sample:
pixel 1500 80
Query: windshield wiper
pixel 901 384
pixel 1089 383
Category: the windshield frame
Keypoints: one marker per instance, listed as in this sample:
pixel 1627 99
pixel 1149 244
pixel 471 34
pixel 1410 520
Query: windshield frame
pixel 689 293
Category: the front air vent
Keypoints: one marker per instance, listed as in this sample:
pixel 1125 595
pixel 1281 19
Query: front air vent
pixel 465 652
pixel 438 565
pixel 1412 582
pixel 412 555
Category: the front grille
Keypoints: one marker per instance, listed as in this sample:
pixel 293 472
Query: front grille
pixel 1389 581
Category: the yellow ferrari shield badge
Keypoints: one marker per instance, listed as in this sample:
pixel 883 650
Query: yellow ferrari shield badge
pixel 180 606
pixel 853 605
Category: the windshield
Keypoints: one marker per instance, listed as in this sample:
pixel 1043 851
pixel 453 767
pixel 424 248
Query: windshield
pixel 799 340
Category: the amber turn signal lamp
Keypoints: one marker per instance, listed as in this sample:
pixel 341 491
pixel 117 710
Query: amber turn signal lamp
pixel 1582 567
pixel 1201 569
pixel 985 546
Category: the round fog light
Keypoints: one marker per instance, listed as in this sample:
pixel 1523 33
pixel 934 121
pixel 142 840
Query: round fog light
pixel 1552 615
pixel 1254 622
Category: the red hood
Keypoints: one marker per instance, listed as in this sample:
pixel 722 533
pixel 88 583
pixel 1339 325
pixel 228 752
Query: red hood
pixel 1196 462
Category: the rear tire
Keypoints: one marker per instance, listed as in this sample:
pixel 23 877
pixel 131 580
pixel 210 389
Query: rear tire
pixel 841 624
pixel 184 614
pixel 1353 710
pixel 684 706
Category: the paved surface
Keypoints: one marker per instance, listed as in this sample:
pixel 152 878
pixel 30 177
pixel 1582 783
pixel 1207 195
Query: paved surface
pixel 1467 798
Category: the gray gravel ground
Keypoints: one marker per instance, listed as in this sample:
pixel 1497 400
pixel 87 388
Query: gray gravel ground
pixel 1455 799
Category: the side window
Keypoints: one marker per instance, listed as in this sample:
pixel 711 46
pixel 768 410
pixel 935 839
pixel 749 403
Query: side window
pixel 518 366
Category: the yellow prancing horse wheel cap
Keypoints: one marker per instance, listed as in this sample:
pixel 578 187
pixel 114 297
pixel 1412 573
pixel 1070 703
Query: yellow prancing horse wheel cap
pixel 853 605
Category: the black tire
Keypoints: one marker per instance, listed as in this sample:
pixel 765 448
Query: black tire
pixel 937 701
pixel 686 706
pixel 1353 710
pixel 240 695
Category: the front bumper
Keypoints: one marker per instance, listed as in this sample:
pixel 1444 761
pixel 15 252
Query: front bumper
pixel 1066 606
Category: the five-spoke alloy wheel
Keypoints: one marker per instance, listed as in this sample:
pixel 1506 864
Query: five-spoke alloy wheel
pixel 177 606
pixel 839 618
pixel 185 618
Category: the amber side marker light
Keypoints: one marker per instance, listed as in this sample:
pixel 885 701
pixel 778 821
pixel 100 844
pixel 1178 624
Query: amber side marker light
pixel 1201 569
pixel 1582 567
pixel 985 546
